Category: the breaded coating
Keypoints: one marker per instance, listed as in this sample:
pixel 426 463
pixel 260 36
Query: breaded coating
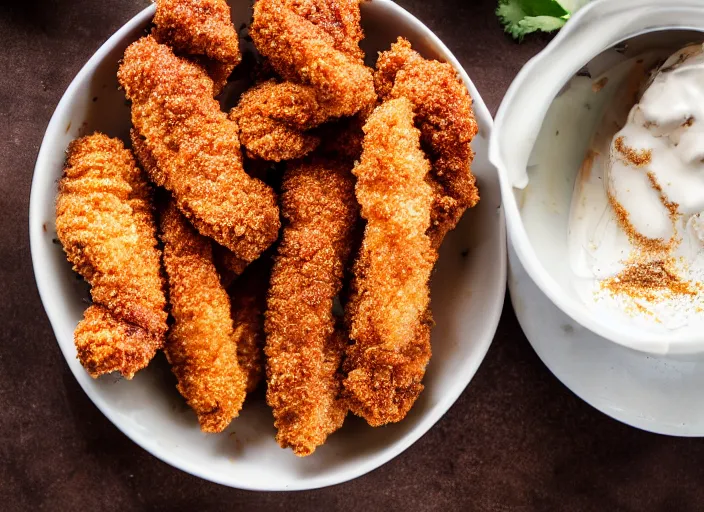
pixel 142 153
pixel 444 114
pixel 304 345
pixel 200 345
pixel 248 299
pixel 105 223
pixel 339 19
pixel 188 146
pixel 388 312
pixel 106 344
pixel 202 29
pixel 315 45
pixel 272 118
pixel 390 63
pixel 303 52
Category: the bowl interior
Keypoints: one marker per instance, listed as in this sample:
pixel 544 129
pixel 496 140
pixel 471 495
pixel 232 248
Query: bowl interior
pixel 467 293
pixel 560 149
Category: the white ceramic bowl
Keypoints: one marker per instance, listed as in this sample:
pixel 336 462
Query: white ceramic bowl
pixel 468 293
pixel 537 198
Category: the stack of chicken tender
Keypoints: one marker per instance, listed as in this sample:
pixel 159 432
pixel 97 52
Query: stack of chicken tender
pixel 236 277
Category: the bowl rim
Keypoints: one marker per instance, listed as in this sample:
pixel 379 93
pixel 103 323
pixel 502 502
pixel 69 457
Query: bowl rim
pixel 572 33
pixel 144 440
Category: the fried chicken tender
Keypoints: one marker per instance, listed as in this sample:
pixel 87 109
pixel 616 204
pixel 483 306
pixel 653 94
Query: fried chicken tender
pixel 202 29
pixel 444 114
pixel 315 45
pixel 247 287
pixel 229 266
pixel 388 312
pixel 302 51
pixel 305 344
pixel 272 118
pixel 106 344
pixel 200 345
pixel 188 146
pixel 339 19
pixel 248 299
pixel 105 223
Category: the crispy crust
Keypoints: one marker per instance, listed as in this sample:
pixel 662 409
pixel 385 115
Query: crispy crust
pixel 444 114
pixel 202 29
pixel 339 20
pixel 314 46
pixel 106 344
pixel 303 52
pixel 190 147
pixel 105 223
pixel 388 311
pixel 200 345
pixel 248 299
pixel 304 345
pixel 273 117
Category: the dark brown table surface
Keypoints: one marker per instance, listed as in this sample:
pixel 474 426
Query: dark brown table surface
pixel 517 439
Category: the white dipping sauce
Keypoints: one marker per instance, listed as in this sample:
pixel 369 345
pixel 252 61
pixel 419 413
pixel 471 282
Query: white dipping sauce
pixel 639 195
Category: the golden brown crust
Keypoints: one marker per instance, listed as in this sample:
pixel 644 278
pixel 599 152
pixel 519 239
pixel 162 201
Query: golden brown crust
pixel 142 154
pixel 248 318
pixel 106 344
pixel 229 266
pixel 200 345
pixel 303 345
pixel 272 117
pixel 388 311
pixel 105 223
pixel 303 52
pixel 444 114
pixel 314 46
pixel 390 63
pixel 248 299
pixel 195 150
pixel 338 19
pixel 201 29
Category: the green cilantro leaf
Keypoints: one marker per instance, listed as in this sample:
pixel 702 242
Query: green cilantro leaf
pixel 521 17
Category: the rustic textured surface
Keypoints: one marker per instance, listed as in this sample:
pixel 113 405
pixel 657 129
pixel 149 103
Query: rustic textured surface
pixel 516 439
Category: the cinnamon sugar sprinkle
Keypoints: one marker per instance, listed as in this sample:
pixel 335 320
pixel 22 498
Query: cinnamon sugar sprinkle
pixel 672 207
pixel 636 238
pixel 651 275
pixel 638 158
pixel 650 281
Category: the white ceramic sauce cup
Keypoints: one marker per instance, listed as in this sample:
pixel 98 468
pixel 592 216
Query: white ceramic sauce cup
pixel 537 197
